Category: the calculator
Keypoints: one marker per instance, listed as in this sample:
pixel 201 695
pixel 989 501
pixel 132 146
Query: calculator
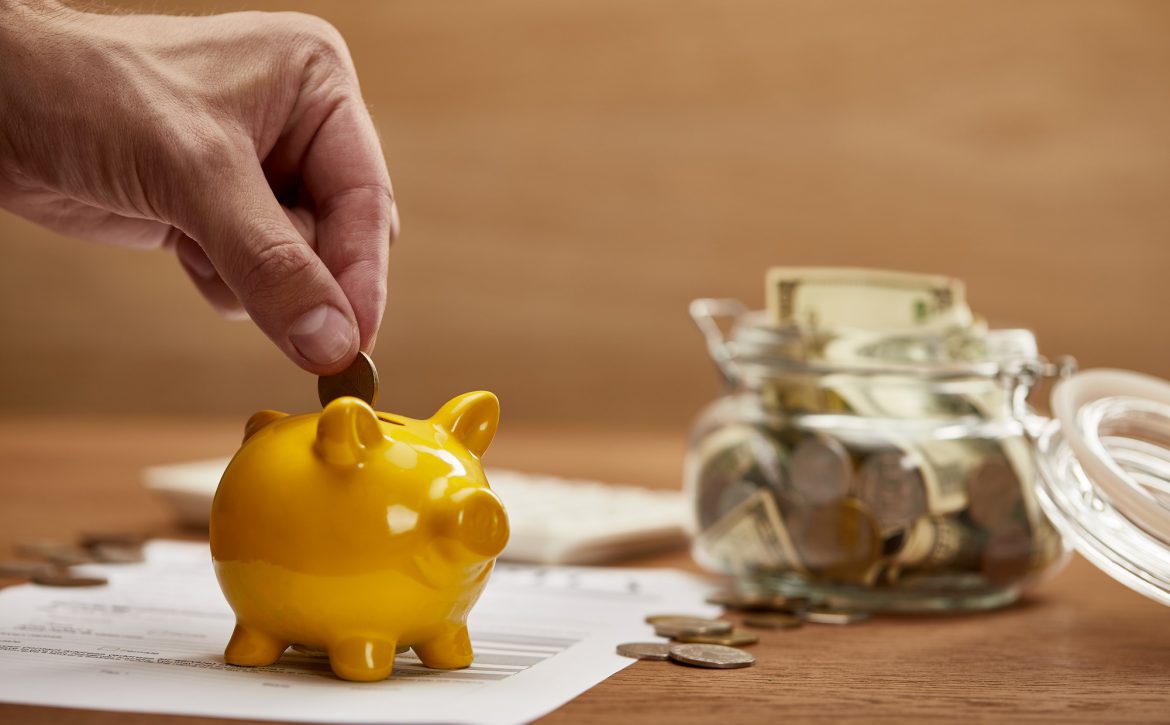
pixel 553 520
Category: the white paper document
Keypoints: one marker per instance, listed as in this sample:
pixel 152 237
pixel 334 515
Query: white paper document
pixel 152 641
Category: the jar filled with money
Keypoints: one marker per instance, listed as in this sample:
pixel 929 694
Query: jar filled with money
pixel 874 448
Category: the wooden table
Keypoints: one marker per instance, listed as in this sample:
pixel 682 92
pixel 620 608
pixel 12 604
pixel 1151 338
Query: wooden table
pixel 1081 648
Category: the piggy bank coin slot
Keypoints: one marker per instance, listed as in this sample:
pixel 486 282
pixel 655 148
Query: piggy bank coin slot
pixel 391 421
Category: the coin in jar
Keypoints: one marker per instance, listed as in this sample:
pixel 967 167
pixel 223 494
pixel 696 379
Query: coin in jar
pixel 645 650
pixel 1007 555
pixel 711 656
pixel 841 540
pixel 994 493
pixel 892 486
pixel 734 638
pixel 820 469
pixel 359 380
pixel 729 466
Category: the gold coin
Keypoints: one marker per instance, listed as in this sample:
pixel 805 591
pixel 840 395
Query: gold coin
pixel 672 628
pixel 645 650
pixel 734 638
pixel 65 579
pixel 23 569
pixel 840 540
pixel 711 656
pixel 773 620
pixel 359 380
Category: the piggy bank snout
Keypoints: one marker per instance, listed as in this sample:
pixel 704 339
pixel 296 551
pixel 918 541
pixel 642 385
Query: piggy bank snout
pixel 476 518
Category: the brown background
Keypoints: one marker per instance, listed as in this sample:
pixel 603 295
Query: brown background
pixel 572 173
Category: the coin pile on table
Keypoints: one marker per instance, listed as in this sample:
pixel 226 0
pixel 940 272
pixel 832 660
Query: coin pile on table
pixel 714 643
pixel 50 562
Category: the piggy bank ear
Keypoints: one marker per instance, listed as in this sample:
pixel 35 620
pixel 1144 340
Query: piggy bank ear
pixel 347 431
pixel 472 418
pixel 261 419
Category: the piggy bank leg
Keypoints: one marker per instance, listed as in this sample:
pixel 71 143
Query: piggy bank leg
pixel 361 659
pixel 449 651
pixel 250 647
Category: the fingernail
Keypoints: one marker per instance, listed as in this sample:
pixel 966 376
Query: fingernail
pixel 322 335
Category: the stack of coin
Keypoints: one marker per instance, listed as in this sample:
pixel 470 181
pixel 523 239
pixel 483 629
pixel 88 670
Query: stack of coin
pixel 695 641
pixel 699 630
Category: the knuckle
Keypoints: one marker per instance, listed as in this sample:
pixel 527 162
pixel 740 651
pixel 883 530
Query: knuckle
pixel 282 265
pixel 317 36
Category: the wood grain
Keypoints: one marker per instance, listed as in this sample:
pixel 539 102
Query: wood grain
pixel 1081 648
pixel 571 174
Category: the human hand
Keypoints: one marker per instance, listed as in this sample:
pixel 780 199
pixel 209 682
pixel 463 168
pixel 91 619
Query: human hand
pixel 241 141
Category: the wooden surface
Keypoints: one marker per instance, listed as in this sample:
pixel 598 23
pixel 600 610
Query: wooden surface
pixel 572 173
pixel 1081 649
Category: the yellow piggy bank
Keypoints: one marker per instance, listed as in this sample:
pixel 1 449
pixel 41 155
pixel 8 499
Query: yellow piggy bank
pixel 358 533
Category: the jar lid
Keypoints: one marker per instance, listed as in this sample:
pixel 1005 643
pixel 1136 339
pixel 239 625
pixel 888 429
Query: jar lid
pixel 1104 480
pixel 747 344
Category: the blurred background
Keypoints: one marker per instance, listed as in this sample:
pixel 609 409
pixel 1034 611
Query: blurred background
pixel 571 174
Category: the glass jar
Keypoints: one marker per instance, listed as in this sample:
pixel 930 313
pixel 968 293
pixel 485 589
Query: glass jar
pixel 883 471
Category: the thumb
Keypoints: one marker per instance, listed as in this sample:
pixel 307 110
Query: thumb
pixel 273 271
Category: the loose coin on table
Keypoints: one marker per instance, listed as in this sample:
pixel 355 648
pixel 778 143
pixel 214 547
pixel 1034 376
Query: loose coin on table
pixel 734 638
pixel 359 380
pixel 711 656
pixel 826 615
pixel 64 579
pixel 773 620
pixel 673 627
pixel 61 553
pixel 24 569
pixel 645 650
pixel 758 601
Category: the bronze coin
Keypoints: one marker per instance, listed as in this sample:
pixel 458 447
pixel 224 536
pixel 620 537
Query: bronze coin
pixel 359 380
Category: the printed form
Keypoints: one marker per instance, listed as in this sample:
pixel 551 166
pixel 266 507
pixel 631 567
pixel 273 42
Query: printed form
pixel 152 641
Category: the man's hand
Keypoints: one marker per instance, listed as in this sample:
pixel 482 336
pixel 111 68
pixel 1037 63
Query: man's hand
pixel 240 141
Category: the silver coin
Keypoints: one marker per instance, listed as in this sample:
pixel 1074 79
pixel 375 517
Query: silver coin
pixel 711 656
pixel 645 650
pixel 893 487
pixel 821 470
pixel 825 615
pixel 359 380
